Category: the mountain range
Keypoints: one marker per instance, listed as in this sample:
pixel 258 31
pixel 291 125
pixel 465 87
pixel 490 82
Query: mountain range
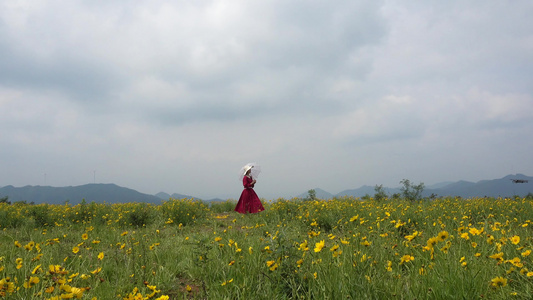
pixel 507 186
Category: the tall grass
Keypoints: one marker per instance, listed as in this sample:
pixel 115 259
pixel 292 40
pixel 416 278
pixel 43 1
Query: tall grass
pixel 340 248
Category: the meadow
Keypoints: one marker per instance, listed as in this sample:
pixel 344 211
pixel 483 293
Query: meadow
pixel 343 248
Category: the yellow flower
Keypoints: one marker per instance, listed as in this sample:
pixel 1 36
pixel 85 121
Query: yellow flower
pixel 274 267
pixel 226 282
pixel 526 253
pixel 315 275
pixel 77 292
pixel 17 244
pixel 100 255
pixel 29 246
pixel 270 263
pixel 84 236
pixel 366 243
pixel 313 233
pixel 36 269
pixel 299 262
pixel 31 282
pixel 303 246
pixel 75 250
pixel 406 258
pixel 6 286
pixel 410 237
pixel 319 246
pixel 188 288
pixel 432 242
pixel 56 269
pixel 515 239
pixel 498 282
pixel 124 233
pixel 442 236
pixel 497 256
pixel 218 239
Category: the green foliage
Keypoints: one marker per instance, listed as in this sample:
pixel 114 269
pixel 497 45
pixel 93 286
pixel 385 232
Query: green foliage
pixel 5 200
pixel 11 216
pixel 411 192
pixel 184 211
pixel 42 215
pixel 311 195
pixel 221 207
pixel 140 215
pixel 380 194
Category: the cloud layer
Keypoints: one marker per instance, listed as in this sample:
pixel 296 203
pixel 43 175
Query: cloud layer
pixel 176 96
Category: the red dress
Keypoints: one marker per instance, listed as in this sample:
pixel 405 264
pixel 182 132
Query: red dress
pixel 248 202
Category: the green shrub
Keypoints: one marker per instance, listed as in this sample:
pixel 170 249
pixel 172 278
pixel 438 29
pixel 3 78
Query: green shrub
pixel 184 211
pixel 221 207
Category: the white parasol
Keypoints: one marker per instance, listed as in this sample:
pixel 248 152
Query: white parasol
pixel 255 170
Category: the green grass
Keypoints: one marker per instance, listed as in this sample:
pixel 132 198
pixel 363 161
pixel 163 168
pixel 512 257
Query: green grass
pixel 335 249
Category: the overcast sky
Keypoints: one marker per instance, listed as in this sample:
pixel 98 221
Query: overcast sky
pixel 176 96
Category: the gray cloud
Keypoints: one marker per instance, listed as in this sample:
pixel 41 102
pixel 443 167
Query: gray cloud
pixel 161 95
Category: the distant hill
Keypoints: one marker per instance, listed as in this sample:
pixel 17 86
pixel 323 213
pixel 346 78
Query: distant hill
pixel 109 193
pixel 366 190
pixel 319 193
pixel 503 187
pixel 165 196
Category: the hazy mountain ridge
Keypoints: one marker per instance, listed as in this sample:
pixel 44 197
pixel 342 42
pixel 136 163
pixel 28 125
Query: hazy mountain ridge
pixel 503 187
pixel 99 192
pixel 112 193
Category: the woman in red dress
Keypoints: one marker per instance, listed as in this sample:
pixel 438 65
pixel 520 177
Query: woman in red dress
pixel 249 201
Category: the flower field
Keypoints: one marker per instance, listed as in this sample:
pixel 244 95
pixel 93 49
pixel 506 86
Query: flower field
pixel 335 249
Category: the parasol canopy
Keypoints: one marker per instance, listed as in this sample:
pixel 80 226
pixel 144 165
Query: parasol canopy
pixel 255 170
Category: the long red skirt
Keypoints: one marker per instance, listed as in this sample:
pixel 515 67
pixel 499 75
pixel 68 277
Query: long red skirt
pixel 249 202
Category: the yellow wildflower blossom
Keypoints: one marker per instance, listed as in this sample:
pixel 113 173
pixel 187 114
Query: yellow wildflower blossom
pixel 319 246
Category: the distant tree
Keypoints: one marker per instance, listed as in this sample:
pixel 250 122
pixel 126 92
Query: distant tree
pixel 311 195
pixel 380 194
pixel 5 200
pixel 411 192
